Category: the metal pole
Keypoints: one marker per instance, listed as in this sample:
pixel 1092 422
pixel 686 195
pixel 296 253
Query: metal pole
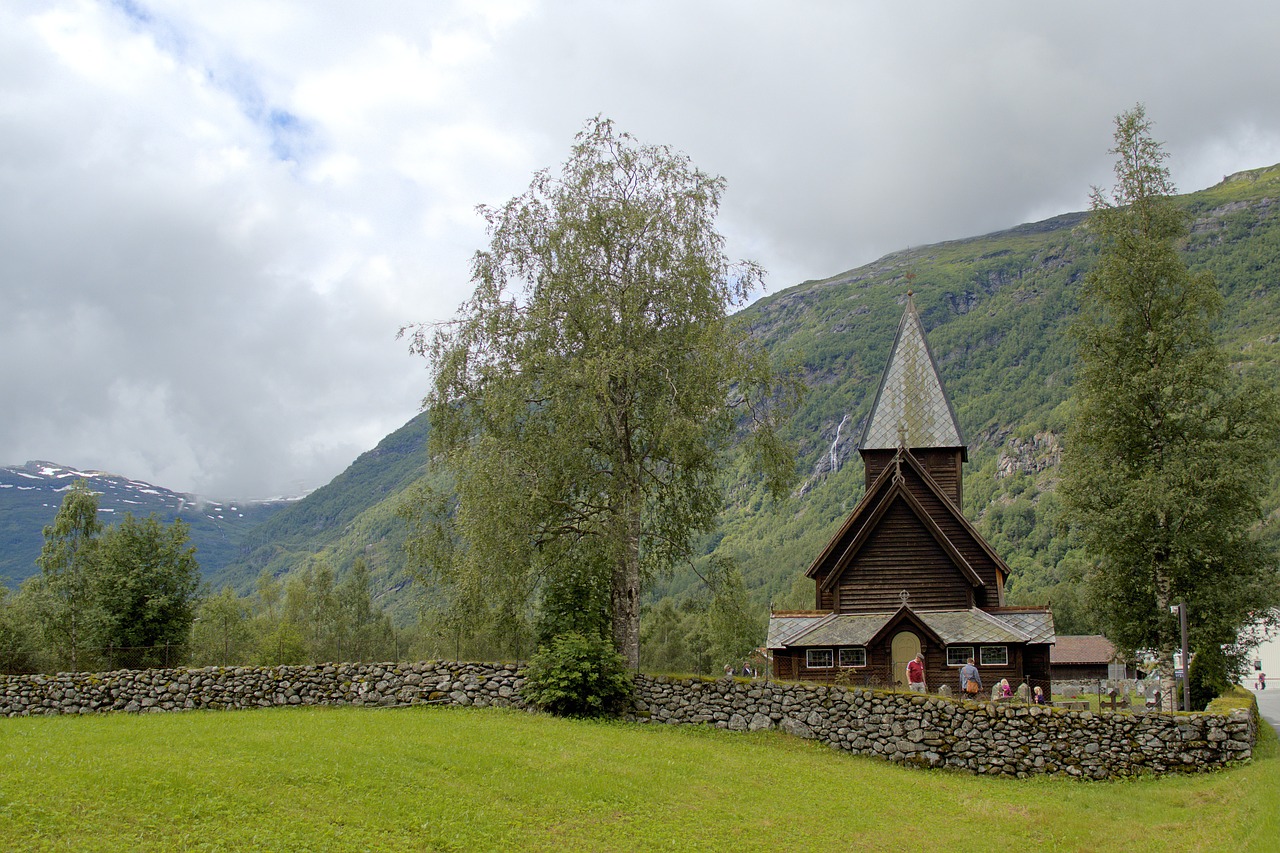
pixel 1186 658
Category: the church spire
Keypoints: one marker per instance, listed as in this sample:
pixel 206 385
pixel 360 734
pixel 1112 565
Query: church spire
pixel 911 408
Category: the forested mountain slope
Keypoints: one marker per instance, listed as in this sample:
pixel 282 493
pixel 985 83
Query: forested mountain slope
pixel 352 516
pixel 996 309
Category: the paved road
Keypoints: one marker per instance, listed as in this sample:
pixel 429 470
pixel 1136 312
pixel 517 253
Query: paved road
pixel 1269 705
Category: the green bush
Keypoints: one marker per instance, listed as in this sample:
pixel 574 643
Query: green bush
pixel 577 675
pixel 1208 677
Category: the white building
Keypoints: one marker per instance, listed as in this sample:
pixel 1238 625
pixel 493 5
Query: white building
pixel 1265 658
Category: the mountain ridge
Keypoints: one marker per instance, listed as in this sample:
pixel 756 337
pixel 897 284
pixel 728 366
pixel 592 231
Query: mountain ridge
pixel 995 307
pixel 31 494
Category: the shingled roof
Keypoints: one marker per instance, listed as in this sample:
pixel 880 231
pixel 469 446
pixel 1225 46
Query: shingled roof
pixel 1080 649
pixel 911 408
pixel 951 626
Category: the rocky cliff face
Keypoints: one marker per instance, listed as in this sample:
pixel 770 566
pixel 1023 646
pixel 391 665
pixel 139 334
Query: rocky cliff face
pixel 1029 456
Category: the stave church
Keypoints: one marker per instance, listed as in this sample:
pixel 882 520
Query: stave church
pixel 906 572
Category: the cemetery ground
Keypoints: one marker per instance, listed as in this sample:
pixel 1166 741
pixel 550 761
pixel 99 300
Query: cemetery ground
pixel 480 779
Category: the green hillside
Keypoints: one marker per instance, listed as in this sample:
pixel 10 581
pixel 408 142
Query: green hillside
pixel 996 308
pixel 354 515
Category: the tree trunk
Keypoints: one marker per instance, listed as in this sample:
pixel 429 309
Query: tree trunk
pixel 1165 642
pixel 624 591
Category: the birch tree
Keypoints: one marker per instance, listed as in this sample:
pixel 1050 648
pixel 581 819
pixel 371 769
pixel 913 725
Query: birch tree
pixel 585 392
pixel 1169 454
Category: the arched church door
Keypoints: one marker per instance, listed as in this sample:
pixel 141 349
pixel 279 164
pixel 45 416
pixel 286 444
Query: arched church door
pixel 906 645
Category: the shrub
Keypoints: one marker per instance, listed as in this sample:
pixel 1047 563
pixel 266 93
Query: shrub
pixel 1208 678
pixel 577 675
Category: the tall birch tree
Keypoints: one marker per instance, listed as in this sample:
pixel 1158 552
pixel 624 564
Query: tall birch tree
pixel 1170 451
pixel 583 395
pixel 66 590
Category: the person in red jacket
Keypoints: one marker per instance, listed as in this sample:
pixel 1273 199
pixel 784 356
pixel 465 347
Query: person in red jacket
pixel 915 674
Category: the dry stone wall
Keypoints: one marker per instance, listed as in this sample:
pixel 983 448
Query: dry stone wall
pixel 381 685
pixel 1010 740
pixel 983 738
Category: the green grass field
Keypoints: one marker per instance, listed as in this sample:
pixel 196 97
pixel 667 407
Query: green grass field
pixel 455 779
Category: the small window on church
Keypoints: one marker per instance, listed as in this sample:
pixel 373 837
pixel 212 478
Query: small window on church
pixel 817 658
pixel 995 656
pixel 959 655
pixel 853 657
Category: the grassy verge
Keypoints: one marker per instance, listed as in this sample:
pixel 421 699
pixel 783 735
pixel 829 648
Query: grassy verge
pixel 453 779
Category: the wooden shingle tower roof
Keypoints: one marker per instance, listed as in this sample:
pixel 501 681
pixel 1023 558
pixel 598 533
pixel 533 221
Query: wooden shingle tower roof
pixel 911 408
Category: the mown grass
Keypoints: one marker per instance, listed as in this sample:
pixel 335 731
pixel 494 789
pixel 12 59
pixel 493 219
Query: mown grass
pixel 454 779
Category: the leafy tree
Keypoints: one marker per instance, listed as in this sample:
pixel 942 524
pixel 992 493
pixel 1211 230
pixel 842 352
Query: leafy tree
pixel 222 632
pixel 17 652
pixel 270 592
pixel 1169 453
pixel 276 639
pixel 1208 677
pixel 576 598
pixel 584 393
pixel 364 631
pixel 146 586
pixel 311 604
pixel 734 627
pixel 65 592
pixel 662 639
pixel 282 643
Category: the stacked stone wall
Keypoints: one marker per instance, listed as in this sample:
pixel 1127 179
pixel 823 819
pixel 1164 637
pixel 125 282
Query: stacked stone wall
pixel 997 739
pixel 984 738
pixel 219 688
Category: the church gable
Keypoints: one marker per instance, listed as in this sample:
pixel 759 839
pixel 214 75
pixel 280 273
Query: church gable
pixel 859 523
pixel 901 554
pixel 975 550
pixel 926 522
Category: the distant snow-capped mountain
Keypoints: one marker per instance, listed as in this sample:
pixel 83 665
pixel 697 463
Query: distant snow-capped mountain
pixel 30 495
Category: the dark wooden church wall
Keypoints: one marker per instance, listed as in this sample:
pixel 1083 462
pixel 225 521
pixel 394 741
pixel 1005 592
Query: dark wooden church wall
pixel 964 541
pixel 1036 662
pixel 901 555
pixel 944 467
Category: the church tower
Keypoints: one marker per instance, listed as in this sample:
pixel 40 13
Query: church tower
pixel 912 411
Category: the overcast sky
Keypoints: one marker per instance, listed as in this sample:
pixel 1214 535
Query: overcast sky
pixel 214 216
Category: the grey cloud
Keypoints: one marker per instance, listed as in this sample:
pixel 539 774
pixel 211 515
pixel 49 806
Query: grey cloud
pixel 204 256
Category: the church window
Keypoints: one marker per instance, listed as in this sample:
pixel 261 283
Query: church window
pixel 818 658
pixel 856 656
pixel 995 656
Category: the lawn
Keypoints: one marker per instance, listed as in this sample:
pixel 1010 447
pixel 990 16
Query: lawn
pixel 468 779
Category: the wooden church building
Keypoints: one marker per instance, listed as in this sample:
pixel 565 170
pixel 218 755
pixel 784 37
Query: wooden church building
pixel 907 572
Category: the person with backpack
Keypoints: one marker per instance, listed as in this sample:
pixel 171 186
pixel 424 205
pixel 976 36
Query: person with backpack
pixel 970 680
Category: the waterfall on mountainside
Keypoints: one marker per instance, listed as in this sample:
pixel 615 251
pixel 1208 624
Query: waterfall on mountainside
pixel 835 457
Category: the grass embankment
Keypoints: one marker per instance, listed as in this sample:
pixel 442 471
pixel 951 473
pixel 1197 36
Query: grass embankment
pixel 453 779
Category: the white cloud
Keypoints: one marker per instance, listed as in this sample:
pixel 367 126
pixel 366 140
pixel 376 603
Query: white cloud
pixel 213 217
